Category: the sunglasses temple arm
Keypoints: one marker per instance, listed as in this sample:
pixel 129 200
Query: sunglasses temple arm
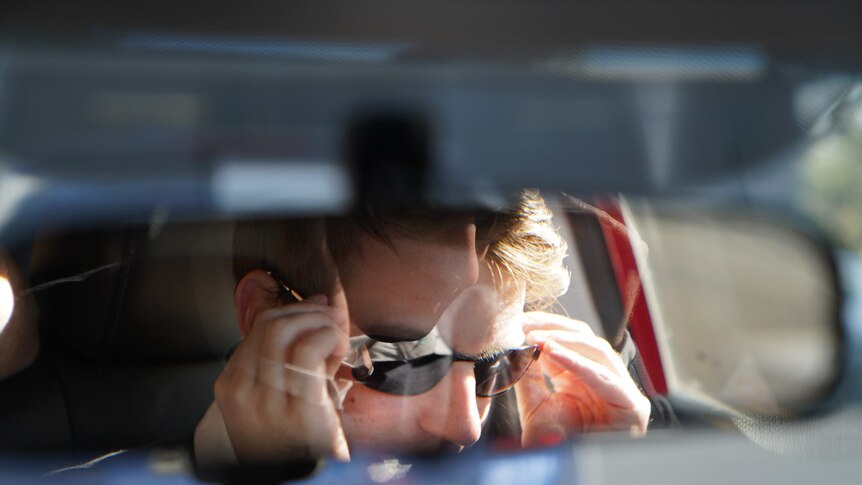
pixel 363 371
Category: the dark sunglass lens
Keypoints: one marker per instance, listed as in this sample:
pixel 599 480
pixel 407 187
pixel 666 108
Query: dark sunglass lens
pixel 407 378
pixel 497 376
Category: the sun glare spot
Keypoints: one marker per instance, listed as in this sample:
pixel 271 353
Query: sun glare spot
pixel 7 302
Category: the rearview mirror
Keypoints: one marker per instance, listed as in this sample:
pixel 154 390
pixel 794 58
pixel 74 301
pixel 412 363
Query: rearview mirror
pixel 745 310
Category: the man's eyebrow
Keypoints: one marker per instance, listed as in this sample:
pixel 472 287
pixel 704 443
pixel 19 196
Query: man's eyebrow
pixel 393 332
pixel 504 341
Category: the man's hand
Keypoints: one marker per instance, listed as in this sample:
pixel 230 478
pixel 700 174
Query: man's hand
pixel 591 389
pixel 275 412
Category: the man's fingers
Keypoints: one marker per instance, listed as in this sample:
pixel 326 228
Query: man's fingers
pixel 589 379
pixel 310 399
pixel 299 379
pixel 280 335
pixel 257 365
pixel 590 346
pixel 297 308
pixel 274 391
pixel 252 345
pixel 286 338
pixel 531 391
pixel 311 352
pixel 327 345
pixel 240 373
pixel 609 387
pixel 552 321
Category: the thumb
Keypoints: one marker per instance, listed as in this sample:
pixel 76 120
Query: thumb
pixel 340 450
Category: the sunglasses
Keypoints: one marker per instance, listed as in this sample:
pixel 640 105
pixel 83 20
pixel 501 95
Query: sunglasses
pixel 414 367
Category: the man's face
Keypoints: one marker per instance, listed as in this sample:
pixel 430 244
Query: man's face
pixel 402 291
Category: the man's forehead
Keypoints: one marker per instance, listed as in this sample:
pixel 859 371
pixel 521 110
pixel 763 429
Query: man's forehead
pixel 406 285
pixel 484 319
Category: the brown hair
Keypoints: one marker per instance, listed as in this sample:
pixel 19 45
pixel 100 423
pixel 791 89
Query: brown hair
pixel 521 242
pixel 530 249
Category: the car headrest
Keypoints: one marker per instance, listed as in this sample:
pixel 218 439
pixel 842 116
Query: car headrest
pixel 138 294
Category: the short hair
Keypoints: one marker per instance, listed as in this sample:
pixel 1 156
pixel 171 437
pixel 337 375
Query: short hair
pixel 520 242
pixel 530 249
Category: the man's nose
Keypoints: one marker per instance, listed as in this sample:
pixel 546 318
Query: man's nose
pixel 452 411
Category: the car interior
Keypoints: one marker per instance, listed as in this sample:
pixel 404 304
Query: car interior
pixel 129 353
pixel 136 326
pixel 701 162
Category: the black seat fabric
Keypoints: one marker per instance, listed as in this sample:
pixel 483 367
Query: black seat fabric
pixel 63 403
pixel 130 350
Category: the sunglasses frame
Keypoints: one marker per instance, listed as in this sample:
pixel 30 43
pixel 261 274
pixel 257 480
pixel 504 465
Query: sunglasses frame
pixel 362 373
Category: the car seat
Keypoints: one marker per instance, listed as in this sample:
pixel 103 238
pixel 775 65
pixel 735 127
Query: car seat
pixel 134 325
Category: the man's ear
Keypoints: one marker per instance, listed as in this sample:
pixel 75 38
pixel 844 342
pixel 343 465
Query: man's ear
pixel 254 294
